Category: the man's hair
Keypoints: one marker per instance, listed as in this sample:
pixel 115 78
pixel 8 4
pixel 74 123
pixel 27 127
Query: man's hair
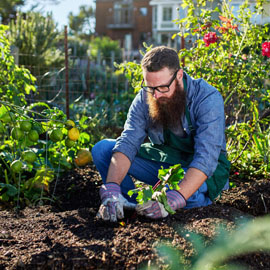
pixel 159 58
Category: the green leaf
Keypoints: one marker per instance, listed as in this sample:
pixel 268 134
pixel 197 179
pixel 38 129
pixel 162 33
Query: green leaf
pixel 11 190
pixel 147 194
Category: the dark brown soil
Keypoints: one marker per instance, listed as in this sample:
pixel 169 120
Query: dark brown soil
pixel 67 235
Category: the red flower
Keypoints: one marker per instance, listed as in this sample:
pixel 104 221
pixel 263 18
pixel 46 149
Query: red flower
pixel 266 49
pixel 209 38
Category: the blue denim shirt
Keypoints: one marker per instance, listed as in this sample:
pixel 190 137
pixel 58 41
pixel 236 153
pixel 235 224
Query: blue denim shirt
pixel 206 108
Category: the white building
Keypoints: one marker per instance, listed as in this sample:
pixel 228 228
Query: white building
pixel 163 27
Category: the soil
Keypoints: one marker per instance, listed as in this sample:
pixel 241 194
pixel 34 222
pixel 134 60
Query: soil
pixel 67 235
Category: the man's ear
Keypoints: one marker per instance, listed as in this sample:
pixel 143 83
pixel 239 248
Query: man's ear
pixel 179 75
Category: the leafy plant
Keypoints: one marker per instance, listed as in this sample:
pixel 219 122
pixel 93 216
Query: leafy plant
pixel 15 82
pixel 250 236
pixel 168 179
pixel 105 46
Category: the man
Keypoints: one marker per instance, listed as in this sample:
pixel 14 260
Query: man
pixel 184 121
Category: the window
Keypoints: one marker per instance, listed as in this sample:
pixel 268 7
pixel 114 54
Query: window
pixel 164 39
pixel 154 17
pixel 143 11
pixel 122 13
pixel 167 14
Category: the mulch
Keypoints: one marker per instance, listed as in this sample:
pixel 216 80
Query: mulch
pixel 67 235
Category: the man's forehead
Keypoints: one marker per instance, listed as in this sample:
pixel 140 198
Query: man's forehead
pixel 162 75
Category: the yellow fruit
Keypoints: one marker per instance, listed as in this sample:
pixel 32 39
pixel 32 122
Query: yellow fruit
pixel 74 134
pixel 56 135
pixel 33 135
pixel 16 133
pixel 70 124
pixel 25 125
pixel 84 157
pixel 16 166
pixel 29 156
pixel 69 143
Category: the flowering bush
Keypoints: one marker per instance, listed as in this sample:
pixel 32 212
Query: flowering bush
pixel 239 70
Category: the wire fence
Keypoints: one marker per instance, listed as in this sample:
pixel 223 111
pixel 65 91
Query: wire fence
pixel 94 88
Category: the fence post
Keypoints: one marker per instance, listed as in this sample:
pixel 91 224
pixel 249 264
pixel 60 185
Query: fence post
pixel 66 70
pixel 15 53
pixel 87 92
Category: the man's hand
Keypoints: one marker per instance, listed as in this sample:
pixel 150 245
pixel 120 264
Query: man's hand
pixel 156 210
pixel 112 202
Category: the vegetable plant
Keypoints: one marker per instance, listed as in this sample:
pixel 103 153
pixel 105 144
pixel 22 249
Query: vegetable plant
pixel 168 179
pixel 38 142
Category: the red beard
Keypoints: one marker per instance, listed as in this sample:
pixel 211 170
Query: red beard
pixel 167 111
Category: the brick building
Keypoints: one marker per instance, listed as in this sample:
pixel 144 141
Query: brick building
pixel 129 21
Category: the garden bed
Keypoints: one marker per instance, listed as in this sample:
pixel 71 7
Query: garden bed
pixel 67 235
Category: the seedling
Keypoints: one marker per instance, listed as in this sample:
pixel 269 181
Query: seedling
pixel 168 179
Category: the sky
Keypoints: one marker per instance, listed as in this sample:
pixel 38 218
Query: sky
pixel 60 11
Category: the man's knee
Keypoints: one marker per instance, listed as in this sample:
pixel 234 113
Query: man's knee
pixel 102 149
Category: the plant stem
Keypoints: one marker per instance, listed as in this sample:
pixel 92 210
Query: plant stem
pixel 19 190
pixel 23 114
pixel 57 177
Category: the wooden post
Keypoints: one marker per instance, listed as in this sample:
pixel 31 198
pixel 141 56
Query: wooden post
pixel 66 69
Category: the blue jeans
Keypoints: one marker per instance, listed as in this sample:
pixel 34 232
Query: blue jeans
pixel 143 170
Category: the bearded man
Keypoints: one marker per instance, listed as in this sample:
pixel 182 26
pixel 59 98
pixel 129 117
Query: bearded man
pixel 185 123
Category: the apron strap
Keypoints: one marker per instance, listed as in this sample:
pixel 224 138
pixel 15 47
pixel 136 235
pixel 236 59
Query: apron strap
pixel 187 114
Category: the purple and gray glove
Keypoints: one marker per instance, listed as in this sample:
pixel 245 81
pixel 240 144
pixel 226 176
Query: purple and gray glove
pixel 156 210
pixel 112 202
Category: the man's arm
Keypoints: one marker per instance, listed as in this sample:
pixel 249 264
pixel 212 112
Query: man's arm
pixel 118 168
pixel 192 181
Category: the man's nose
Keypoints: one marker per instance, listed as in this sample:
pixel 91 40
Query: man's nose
pixel 157 94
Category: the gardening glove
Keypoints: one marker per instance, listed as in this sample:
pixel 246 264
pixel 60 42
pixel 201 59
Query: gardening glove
pixel 156 210
pixel 112 203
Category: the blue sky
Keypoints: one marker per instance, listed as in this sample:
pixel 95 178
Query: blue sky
pixel 60 11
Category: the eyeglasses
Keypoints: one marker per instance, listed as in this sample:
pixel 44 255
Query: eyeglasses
pixel 160 88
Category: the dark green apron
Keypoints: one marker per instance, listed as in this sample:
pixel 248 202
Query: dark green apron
pixel 177 150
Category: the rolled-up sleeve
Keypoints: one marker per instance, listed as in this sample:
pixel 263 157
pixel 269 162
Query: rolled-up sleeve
pixel 209 119
pixel 134 129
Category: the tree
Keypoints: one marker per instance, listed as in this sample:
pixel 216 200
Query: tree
pixel 82 24
pixel 8 9
pixel 36 37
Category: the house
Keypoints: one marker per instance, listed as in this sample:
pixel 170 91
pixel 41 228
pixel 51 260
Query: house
pixel 164 12
pixel 129 21
pixel 134 21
